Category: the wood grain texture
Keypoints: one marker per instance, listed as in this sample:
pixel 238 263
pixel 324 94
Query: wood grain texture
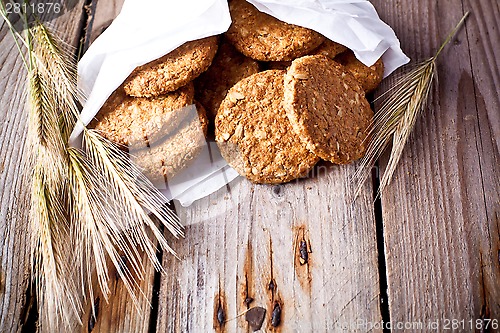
pixel 103 14
pixel 118 314
pixel 14 242
pixel 440 213
pixel 244 244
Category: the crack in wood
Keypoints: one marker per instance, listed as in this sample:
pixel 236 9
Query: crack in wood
pixel 221 316
pixel 248 270
pixel 276 315
pixel 272 283
pixel 29 312
pixel 122 267
pixel 485 311
pixel 303 252
pixel 87 22
pixel 2 283
pixel 94 315
pixel 219 311
pixel 155 294
pixel 499 259
pixel 380 240
pixel 276 303
pixel 302 263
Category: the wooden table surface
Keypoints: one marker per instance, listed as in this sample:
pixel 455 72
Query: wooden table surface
pixel 426 255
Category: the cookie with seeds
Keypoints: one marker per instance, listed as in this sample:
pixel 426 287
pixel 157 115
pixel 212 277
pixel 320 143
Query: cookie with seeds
pixel 177 149
pixel 254 134
pixel 228 67
pixel 263 37
pixel 327 109
pixel 131 121
pixel 173 70
pixel 369 77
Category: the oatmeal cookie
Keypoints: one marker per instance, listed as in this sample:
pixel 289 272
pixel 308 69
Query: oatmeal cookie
pixel 228 67
pixel 329 49
pixel 254 134
pixel 327 109
pixel 165 158
pixel 131 121
pixel 173 70
pixel 263 37
pixel 369 77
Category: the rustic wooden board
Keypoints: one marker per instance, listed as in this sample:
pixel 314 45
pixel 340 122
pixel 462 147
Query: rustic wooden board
pixel 103 13
pixel 118 314
pixel 244 243
pixel 440 213
pixel 14 249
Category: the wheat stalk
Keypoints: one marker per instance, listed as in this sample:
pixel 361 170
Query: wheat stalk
pixel 394 121
pixel 60 74
pixel 49 225
pixel 88 205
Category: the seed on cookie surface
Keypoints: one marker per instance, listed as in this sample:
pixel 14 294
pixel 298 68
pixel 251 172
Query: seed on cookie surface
pixel 235 95
pixel 301 76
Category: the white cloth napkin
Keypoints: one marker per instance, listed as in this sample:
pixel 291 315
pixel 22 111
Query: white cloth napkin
pixel 148 29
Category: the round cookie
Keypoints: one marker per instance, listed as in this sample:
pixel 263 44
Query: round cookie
pixel 173 70
pixel 163 159
pixel 133 121
pixel 228 67
pixel 329 49
pixel 369 77
pixel 263 37
pixel 327 109
pixel 254 134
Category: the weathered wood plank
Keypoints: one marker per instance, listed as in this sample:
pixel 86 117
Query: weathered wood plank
pixel 14 242
pixel 240 239
pixel 14 254
pixel 104 13
pixel 119 314
pixel 440 213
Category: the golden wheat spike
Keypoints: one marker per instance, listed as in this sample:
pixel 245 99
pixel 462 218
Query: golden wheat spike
pixel 395 120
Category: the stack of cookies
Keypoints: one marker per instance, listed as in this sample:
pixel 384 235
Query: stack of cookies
pixel 310 104
pixel 280 98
